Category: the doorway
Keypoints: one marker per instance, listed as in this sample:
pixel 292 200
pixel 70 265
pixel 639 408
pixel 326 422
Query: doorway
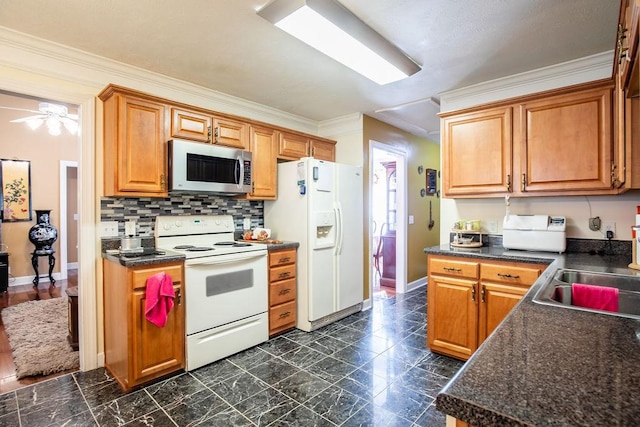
pixel 68 217
pixel 387 227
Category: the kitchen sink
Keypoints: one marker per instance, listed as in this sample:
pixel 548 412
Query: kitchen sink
pixel 557 292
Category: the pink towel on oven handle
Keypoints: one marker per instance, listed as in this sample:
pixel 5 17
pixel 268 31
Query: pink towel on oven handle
pixel 159 298
pixel 596 297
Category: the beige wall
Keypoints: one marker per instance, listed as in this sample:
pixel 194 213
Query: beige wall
pixel 44 152
pixel 72 212
pixel 419 151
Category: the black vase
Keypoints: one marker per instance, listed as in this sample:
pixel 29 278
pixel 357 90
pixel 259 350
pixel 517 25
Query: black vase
pixel 43 234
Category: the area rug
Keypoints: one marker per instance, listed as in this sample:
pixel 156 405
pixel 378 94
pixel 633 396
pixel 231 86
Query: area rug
pixel 37 332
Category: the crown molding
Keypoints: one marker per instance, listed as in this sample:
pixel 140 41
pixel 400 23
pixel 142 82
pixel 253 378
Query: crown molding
pixel 344 125
pixel 43 57
pixel 582 70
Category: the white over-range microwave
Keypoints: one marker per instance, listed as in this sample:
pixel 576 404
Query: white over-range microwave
pixel 196 167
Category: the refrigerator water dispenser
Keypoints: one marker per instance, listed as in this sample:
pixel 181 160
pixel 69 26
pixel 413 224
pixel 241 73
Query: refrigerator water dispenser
pixel 325 223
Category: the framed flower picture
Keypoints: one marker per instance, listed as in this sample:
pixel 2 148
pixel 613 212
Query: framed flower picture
pixel 15 181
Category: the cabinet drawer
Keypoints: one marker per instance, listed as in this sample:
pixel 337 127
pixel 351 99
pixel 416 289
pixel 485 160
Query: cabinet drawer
pixel 282 272
pixel 287 256
pixel 282 291
pixel 139 277
pixel 281 315
pixel 510 274
pixel 455 268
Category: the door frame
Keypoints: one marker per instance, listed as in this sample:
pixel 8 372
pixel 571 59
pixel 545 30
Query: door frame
pixel 88 238
pixel 65 165
pixel 401 215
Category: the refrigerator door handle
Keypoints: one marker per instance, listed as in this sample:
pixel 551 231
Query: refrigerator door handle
pixel 339 231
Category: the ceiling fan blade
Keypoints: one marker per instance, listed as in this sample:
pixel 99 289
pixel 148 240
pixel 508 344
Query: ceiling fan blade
pixel 25 119
pixel 21 109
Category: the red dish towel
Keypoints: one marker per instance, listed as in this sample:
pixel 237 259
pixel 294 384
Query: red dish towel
pixel 596 297
pixel 159 298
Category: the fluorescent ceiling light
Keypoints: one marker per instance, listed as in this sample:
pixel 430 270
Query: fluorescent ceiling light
pixel 333 30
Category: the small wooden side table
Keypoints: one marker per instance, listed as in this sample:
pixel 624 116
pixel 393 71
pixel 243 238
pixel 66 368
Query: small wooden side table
pixel 72 314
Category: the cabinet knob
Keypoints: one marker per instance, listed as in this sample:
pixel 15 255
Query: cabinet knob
pixel 284 291
pixel 217 133
pixel 508 276
pixel 508 182
pixel 284 274
pixel 473 293
pixel 284 260
pixel 178 297
pixel 482 294
pixel 209 133
pixel 285 314
pixel 524 182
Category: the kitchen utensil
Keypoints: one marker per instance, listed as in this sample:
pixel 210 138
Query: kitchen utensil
pixel 431 221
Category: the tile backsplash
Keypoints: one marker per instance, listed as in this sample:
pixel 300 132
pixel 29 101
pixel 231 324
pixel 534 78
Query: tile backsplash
pixel 144 210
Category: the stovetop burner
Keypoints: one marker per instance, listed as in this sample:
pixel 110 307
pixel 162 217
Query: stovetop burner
pixel 199 249
pixel 232 244
pixel 183 247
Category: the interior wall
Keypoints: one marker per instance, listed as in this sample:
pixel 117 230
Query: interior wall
pixel 72 215
pixel 44 151
pixel 420 152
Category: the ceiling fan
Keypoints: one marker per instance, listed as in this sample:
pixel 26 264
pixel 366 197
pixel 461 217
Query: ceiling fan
pixel 54 115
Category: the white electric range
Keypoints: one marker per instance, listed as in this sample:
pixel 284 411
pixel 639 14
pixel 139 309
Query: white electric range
pixel 225 285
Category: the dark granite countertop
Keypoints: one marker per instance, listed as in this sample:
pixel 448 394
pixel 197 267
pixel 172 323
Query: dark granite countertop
pixel 546 365
pixel 276 246
pixel 136 260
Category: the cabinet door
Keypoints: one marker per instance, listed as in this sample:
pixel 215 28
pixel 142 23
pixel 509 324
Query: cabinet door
pixel 322 150
pixel 135 151
pixel 292 146
pixel 264 164
pixel 477 153
pixel 452 316
pixel 566 142
pixel 496 301
pixel 192 125
pixel 231 133
pixel 156 350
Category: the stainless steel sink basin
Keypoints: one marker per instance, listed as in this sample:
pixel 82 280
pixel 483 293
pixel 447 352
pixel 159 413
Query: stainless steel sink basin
pixel 557 292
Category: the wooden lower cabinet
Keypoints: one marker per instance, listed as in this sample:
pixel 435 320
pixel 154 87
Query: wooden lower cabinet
pixel 137 351
pixel 282 290
pixel 468 298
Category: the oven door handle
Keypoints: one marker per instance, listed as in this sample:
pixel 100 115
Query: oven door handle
pixel 208 261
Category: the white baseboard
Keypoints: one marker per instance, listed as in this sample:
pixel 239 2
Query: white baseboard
pixel 28 280
pixel 416 284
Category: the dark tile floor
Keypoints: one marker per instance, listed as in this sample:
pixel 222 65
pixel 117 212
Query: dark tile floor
pixel 369 369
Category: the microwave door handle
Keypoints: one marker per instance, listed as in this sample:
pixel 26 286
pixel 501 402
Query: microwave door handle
pixel 239 172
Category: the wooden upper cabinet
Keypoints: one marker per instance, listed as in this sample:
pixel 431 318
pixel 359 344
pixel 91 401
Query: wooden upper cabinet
pixel 322 150
pixel 546 144
pixel 264 143
pixel 567 142
pixel 135 160
pixel 231 133
pixel 476 152
pixel 191 125
pixel 292 146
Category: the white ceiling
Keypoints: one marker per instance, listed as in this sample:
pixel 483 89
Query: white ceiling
pixel 224 45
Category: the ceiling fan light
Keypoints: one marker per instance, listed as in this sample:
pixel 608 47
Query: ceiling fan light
pixel 54 126
pixel 70 125
pixel 34 123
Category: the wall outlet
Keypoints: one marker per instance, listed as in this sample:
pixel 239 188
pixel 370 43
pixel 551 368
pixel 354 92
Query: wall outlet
pixel 411 219
pixel 246 224
pixel 608 226
pixel 130 228
pixel 108 228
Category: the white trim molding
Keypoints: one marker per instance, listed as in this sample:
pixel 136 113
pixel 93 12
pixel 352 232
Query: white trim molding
pixel 582 70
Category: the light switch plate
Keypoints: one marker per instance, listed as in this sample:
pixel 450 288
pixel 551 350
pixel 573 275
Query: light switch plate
pixel 108 228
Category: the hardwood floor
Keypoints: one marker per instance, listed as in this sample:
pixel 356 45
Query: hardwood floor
pixel 16 295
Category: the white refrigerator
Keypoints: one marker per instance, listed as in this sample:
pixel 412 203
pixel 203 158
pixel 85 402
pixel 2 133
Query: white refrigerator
pixel 319 206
